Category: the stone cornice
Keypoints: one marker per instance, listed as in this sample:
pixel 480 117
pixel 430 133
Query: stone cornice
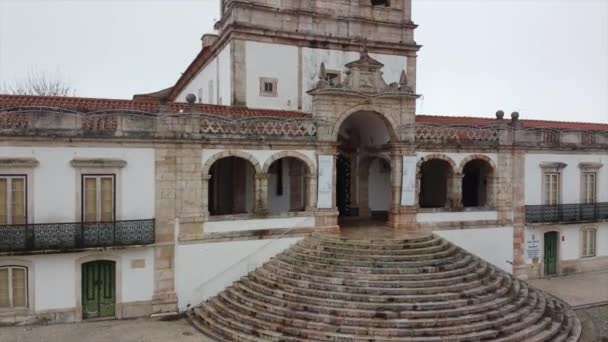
pixel 590 165
pixel 98 163
pixel 553 165
pixel 18 162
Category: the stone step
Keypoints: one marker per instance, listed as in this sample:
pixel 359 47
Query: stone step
pixel 411 282
pixel 339 249
pixel 460 287
pixel 327 260
pixel 367 318
pixel 388 258
pixel 462 267
pixel 442 266
pixel 425 289
pixel 370 310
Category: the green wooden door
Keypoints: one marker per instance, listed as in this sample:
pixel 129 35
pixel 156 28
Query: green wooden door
pixel 551 253
pixel 98 289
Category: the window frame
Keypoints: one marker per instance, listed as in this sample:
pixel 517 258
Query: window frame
pixel 550 169
pixel 269 80
pixel 9 193
pixel 98 178
pixel 588 193
pixel 548 199
pixel 586 235
pixel 26 287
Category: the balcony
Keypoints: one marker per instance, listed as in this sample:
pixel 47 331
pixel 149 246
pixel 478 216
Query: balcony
pixel 567 213
pixel 75 236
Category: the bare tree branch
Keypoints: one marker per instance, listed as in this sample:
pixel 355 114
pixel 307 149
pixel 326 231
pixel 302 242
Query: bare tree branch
pixel 40 84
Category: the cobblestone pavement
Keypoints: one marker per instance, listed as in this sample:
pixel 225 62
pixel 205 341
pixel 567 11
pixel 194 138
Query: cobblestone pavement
pixel 141 330
pixel 578 289
pixel 599 315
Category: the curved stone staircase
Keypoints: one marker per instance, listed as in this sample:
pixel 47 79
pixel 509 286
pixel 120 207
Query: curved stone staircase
pixel 424 289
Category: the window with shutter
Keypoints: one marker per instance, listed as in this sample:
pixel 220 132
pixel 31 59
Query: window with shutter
pixel 13 287
pixel 13 200
pixel 589 242
pixel 98 198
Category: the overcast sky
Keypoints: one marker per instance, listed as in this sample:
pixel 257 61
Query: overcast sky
pixel 547 59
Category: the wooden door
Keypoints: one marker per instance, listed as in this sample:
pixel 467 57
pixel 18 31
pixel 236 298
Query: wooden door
pixel 551 253
pixel 98 289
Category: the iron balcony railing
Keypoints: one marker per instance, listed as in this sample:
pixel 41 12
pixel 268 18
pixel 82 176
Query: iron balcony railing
pixel 567 213
pixel 70 236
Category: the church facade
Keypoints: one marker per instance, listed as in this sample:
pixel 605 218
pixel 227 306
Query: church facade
pixel 297 117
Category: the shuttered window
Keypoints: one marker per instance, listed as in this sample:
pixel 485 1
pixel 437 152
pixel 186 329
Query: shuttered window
pixel 552 188
pixel 13 287
pixel 589 187
pixel 98 198
pixel 13 200
pixel 589 240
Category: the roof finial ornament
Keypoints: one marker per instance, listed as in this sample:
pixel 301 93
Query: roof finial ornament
pixel 322 72
pixel 403 79
pixel 364 50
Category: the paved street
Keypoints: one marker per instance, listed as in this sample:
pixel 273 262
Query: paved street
pixel 141 330
pixel 578 290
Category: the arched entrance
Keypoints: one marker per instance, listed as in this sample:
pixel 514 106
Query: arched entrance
pixel 363 169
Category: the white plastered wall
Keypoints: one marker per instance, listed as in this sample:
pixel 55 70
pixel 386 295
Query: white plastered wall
pixel 570 176
pixel 570 239
pixel 55 196
pixel 218 71
pixel 55 283
pixel 379 186
pixel 493 244
pixel 272 61
pixel 204 270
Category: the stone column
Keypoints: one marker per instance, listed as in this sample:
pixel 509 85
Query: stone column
pixel 455 193
pixel 261 194
pixel 363 180
pixel 311 191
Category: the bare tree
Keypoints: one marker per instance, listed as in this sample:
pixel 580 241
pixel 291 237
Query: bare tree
pixel 40 84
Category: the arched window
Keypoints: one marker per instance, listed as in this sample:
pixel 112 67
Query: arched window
pixel 231 187
pixel 436 175
pixel 589 242
pixel 476 183
pixel 287 185
pixel 13 287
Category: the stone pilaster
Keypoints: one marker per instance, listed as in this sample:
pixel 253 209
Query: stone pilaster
pixel 455 193
pixel 238 74
pixel 165 299
pixel 190 204
pixel 311 191
pixel 261 193
pixel 518 201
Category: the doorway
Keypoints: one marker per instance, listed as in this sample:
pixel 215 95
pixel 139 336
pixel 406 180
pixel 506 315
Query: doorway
pixel 343 185
pixel 98 289
pixel 550 254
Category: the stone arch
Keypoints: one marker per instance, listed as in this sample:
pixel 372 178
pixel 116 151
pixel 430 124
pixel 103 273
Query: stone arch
pixel 293 154
pixel 391 126
pixel 440 156
pixel 477 181
pixel 232 153
pixel 472 157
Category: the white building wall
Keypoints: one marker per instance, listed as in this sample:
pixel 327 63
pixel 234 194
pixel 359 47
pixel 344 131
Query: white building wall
pixel 217 71
pixel 272 61
pixel 494 245
pixel 379 186
pixel 56 282
pixel 54 184
pixel 570 240
pixel 204 270
pixel 570 176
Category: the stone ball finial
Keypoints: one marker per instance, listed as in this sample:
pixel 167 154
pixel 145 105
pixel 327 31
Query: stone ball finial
pixel 515 115
pixel 190 98
pixel 500 115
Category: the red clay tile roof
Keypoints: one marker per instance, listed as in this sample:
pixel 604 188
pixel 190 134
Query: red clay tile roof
pixel 93 104
pixel 475 121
